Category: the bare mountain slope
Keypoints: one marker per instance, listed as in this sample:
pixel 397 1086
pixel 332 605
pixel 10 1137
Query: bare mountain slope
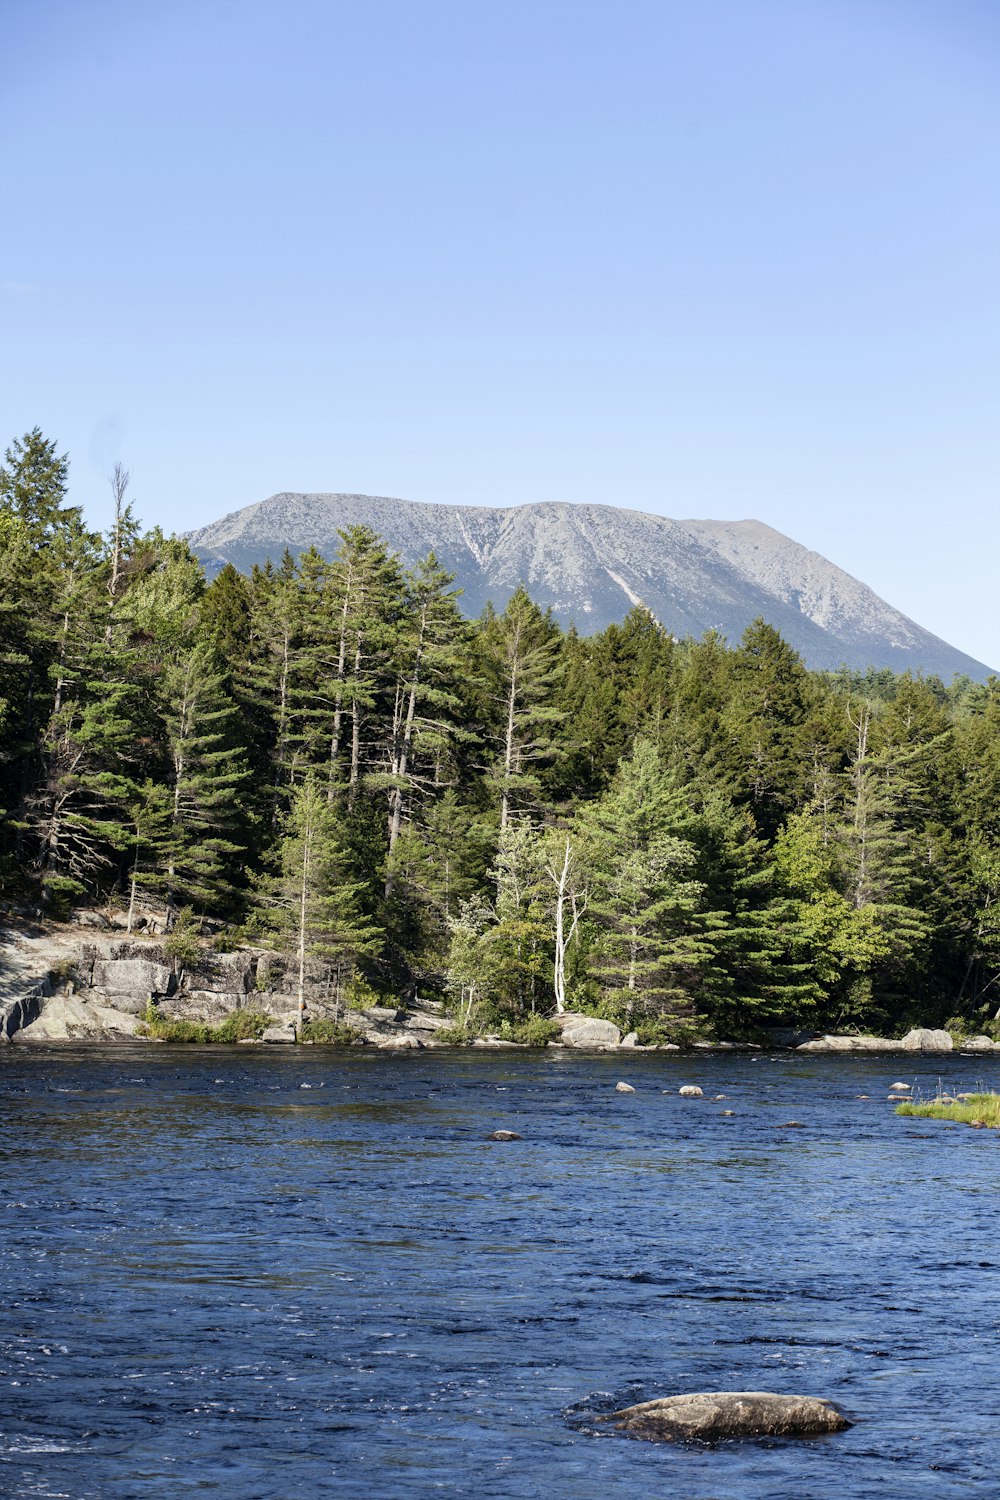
pixel 591 563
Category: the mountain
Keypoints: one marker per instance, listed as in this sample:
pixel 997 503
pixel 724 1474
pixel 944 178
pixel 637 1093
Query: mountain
pixel 591 563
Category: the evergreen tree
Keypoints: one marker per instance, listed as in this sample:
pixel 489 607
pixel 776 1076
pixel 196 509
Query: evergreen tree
pixel 645 905
pixel 305 903
pixel 521 660
pixel 33 479
pixel 206 778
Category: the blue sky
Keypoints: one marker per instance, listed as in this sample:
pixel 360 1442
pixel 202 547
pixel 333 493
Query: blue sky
pixel 716 258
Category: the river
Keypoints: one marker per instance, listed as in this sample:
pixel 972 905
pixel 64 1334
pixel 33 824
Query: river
pixel 263 1274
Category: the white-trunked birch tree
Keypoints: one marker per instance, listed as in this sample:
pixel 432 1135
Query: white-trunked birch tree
pixel 569 895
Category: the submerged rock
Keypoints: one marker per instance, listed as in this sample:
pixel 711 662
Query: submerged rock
pixel 505 1135
pixel 706 1416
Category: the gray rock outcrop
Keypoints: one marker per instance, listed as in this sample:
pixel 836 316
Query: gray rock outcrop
pixel 284 1031
pixel 589 1033
pixel 708 1416
pixel 921 1040
pixel 979 1044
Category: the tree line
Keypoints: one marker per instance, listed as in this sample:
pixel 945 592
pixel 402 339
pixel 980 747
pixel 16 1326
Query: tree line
pixel 680 835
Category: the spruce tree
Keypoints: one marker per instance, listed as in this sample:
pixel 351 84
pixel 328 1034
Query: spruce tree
pixel 205 781
pixel 521 663
pixel 645 904
pixel 305 903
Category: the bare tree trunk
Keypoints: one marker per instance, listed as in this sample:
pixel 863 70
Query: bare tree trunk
pixel 859 776
pixel 303 904
pixel 338 705
pixel 508 752
pixel 561 876
pixel 119 481
pixel 355 732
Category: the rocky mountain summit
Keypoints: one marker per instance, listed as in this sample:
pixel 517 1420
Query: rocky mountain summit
pixel 591 563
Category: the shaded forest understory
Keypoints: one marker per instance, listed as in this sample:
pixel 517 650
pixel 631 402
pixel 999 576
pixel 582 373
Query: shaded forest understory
pixel 329 757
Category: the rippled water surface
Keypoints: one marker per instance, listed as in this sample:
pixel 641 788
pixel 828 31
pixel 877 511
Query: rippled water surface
pixel 231 1272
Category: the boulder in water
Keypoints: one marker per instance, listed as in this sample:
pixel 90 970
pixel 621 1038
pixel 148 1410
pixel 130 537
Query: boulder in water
pixel 589 1033
pixel 707 1416
pixel 624 1088
pixel 505 1135
pixel 691 1091
pixel 924 1039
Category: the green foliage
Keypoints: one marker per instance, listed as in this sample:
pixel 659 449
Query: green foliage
pixel 683 837
pixel 533 1031
pixel 330 1033
pixel 658 1033
pixel 982 1107
pixel 181 942
pixel 239 1026
pixel 455 1036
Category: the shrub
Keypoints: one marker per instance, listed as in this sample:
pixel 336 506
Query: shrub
pixel 658 1032
pixel 454 1036
pixel 174 1031
pixel 360 995
pixel 181 942
pixel 241 1026
pixel 330 1033
pixel 536 1031
pixel 60 893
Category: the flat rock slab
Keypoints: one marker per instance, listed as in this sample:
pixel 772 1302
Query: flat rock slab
pixel 708 1416
pixel 136 977
pixel 923 1039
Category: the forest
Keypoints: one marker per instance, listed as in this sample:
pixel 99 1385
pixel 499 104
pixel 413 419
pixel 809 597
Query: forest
pixel 688 837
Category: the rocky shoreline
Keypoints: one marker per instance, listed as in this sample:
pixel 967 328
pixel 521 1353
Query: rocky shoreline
pixel 57 986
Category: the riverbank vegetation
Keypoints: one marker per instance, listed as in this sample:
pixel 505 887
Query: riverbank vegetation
pixel 685 836
pixel 970 1109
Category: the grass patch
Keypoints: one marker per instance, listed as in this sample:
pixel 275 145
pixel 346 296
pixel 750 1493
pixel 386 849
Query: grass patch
pixel 982 1107
pixel 242 1025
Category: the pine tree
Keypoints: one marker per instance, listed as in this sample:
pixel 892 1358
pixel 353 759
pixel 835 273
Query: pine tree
pixel 33 481
pixel 769 702
pixel 306 903
pixel 650 944
pixel 521 660
pixel 432 652
pixel 366 601
pixel 206 777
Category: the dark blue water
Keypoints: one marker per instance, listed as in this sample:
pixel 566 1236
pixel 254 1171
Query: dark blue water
pixel 228 1272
